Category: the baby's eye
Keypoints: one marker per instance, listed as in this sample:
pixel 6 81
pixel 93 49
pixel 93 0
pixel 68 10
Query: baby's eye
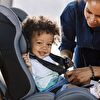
pixel 49 44
pixel 98 16
pixel 38 42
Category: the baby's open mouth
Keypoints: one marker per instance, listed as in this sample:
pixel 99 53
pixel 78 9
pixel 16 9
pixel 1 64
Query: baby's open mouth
pixel 42 53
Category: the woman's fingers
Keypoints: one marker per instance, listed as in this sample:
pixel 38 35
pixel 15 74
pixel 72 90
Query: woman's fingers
pixel 68 74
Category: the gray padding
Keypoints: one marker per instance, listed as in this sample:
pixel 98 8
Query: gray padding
pixel 23 45
pixel 20 13
pixel 16 22
pixel 3 88
pixel 42 96
pixel 76 93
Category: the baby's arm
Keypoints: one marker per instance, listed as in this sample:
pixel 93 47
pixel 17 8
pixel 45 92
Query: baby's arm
pixel 27 60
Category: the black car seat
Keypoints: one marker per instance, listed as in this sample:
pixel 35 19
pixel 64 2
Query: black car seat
pixel 18 79
pixel 20 84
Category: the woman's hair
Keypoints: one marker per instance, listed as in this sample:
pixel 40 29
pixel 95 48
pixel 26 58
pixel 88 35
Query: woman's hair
pixel 37 25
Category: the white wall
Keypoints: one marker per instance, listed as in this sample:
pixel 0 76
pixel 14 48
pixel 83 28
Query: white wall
pixel 7 3
pixel 51 8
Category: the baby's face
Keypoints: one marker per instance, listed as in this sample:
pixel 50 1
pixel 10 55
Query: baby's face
pixel 41 44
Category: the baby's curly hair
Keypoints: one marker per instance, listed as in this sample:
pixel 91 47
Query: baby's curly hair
pixel 38 25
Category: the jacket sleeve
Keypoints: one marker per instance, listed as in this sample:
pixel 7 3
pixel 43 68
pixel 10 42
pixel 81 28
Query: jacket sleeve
pixel 68 27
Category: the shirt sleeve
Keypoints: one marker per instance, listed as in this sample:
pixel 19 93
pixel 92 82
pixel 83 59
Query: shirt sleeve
pixel 68 27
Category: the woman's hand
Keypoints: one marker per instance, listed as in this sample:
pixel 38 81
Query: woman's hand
pixel 79 76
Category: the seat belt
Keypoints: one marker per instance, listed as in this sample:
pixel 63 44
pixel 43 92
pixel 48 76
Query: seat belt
pixel 57 68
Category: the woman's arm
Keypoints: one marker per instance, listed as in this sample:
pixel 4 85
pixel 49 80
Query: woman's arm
pixel 66 54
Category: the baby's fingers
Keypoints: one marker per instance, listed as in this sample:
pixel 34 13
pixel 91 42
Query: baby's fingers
pixel 26 59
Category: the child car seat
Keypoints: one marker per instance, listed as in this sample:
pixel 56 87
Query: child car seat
pixel 75 93
pixel 2 90
pixel 18 79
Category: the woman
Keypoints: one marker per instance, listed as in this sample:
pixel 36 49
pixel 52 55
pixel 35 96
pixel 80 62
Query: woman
pixel 80 23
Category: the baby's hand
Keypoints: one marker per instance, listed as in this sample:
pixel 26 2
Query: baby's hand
pixel 27 60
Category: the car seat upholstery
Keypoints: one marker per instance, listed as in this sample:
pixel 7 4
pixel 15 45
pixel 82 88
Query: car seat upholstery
pixel 75 93
pixel 18 79
pixel 20 13
pixel 2 90
pixel 9 27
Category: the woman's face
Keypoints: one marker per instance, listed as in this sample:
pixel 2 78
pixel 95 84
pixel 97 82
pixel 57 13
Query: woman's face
pixel 41 44
pixel 92 13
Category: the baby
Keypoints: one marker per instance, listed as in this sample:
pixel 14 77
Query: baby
pixel 40 33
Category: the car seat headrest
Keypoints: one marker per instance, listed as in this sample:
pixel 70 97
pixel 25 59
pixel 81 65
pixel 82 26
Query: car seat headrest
pixel 20 13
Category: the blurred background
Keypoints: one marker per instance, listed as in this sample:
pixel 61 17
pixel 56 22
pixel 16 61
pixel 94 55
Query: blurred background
pixel 50 8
